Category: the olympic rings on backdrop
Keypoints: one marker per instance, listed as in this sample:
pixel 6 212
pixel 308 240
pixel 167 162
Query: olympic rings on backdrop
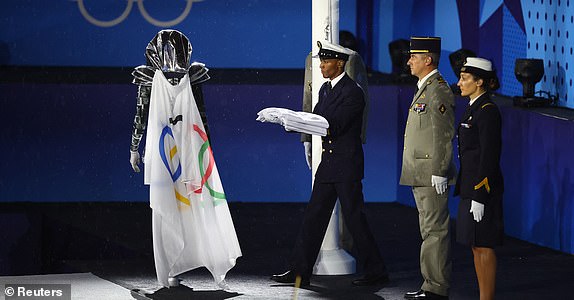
pixel 168 23
pixel 143 11
pixel 99 23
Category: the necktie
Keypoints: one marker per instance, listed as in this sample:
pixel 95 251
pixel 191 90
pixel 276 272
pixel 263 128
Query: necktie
pixel 327 88
pixel 466 112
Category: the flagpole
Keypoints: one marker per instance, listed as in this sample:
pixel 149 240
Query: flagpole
pixel 332 260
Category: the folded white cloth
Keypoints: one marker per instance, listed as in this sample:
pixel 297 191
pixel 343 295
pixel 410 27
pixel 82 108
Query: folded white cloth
pixel 271 114
pixel 305 118
pixel 297 121
pixel 307 129
pixel 295 124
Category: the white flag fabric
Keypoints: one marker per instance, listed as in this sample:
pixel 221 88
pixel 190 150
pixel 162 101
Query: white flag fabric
pixel 192 226
pixel 298 121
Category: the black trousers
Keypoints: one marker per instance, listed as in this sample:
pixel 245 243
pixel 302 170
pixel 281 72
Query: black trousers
pixel 316 220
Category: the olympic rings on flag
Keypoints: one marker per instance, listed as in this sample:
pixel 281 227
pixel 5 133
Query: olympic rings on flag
pixel 143 11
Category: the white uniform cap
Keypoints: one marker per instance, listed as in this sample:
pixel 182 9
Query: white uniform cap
pixel 478 62
pixel 478 66
pixel 330 50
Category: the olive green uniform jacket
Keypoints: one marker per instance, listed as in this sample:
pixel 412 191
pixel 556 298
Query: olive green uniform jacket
pixel 429 132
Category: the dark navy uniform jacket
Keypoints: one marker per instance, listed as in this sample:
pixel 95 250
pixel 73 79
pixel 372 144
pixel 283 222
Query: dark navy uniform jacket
pixel 479 147
pixel 342 159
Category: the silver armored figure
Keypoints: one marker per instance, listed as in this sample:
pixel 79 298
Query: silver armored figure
pixel 169 51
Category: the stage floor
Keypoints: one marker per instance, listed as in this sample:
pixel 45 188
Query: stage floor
pixel 115 242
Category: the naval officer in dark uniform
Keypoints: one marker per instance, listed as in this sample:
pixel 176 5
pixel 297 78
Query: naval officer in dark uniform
pixel 480 183
pixel 356 69
pixel 428 165
pixel 339 175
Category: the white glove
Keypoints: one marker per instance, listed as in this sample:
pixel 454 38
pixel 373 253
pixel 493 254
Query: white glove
pixel 308 153
pixel 135 160
pixel 271 114
pixel 477 210
pixel 439 183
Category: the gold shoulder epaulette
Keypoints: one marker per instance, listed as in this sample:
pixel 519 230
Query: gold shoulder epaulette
pixel 486 104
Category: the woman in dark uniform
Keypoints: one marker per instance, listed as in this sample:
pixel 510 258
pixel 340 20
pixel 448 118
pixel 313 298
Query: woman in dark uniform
pixel 480 184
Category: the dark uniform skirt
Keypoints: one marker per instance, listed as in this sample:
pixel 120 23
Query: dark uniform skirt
pixel 489 232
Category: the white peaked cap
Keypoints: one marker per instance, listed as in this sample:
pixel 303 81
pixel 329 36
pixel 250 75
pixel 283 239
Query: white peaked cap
pixel 330 50
pixel 479 63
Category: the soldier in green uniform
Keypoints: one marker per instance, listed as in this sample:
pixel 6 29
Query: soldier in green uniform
pixel 428 165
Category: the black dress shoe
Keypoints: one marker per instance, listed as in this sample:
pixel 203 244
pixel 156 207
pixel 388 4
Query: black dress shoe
pixel 413 295
pixel 371 280
pixel 290 277
pixel 421 294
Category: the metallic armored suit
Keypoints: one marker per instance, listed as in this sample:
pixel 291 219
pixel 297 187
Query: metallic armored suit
pixel 170 52
pixel 191 227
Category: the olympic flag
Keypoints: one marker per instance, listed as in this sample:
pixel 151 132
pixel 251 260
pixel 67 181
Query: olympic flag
pixel 192 226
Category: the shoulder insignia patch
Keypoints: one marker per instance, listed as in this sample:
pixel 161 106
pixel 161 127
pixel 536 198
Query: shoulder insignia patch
pixel 441 80
pixel 442 109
